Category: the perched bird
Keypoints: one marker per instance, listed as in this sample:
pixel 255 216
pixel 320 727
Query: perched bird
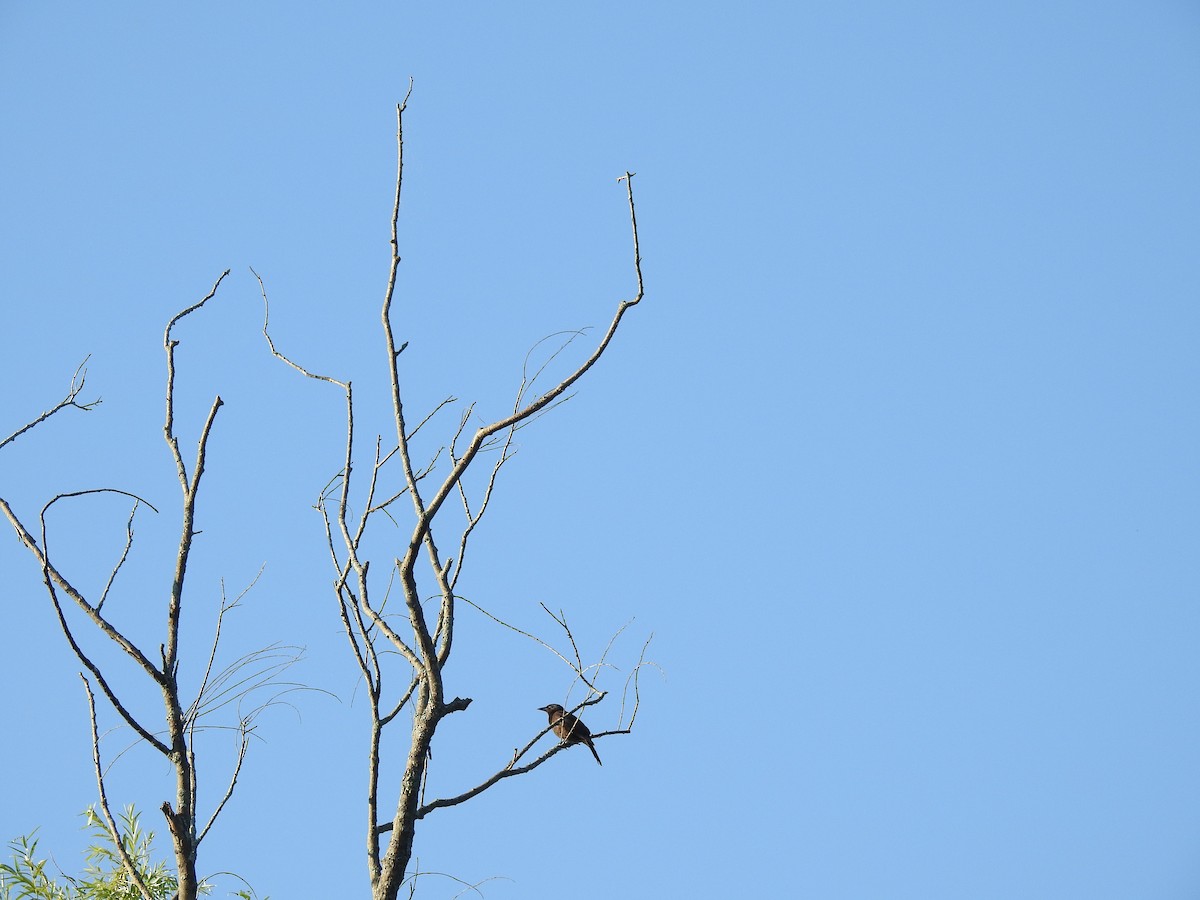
pixel 569 728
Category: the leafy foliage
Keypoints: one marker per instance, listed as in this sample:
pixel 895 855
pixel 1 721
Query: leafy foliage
pixel 104 876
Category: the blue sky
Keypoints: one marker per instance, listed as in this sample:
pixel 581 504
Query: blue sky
pixel 897 459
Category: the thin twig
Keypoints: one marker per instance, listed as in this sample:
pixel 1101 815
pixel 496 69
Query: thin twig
pixel 426 512
pixel 633 677
pixel 120 562
pixel 212 653
pixel 243 743
pixel 270 343
pixel 130 868
pixel 77 382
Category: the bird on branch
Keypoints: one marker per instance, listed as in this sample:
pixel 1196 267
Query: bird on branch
pixel 569 728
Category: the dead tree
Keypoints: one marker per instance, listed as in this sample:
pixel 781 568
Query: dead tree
pixel 376 637
pixel 423 638
pixel 184 710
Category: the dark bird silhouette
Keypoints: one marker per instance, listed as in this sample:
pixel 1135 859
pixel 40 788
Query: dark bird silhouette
pixel 569 728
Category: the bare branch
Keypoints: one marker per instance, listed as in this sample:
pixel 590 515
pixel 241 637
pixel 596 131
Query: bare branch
pixel 55 580
pixel 420 476
pixel 114 832
pixel 250 672
pixel 72 494
pixel 350 542
pixel 411 880
pixel 181 820
pixel 368 624
pixel 378 621
pixel 52 577
pixel 561 619
pixel 532 637
pixel 526 381
pixel 212 654
pixel 506 453
pixel 412 434
pixel 637 255
pixel 425 514
pixel 270 343
pixel 374 483
pixel 348 608
pixel 404 698
pixel 77 383
pixel 509 770
pixel 169 345
pixel 420 627
pixel 190 491
pixel 633 678
pixel 243 744
pixel 124 555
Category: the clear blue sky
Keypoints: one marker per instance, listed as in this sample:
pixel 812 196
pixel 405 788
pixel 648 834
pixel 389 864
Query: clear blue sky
pixel 897 460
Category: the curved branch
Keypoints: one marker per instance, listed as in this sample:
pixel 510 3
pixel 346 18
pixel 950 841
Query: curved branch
pixel 425 514
pixel 53 577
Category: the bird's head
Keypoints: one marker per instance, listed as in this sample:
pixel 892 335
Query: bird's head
pixel 552 709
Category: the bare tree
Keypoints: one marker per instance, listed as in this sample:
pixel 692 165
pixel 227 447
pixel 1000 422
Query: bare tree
pixel 421 638
pixel 175 737
pixel 399 655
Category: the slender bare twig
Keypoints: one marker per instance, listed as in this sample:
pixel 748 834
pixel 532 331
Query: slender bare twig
pixel 350 543
pixel 120 562
pixel 77 383
pixel 425 513
pixel 243 744
pixel 467 887
pixel 473 520
pixel 131 870
pixel 526 381
pixel 267 334
pixel 248 673
pixel 633 678
pixel 212 653
pixel 580 672
pixel 511 627
pixel 412 434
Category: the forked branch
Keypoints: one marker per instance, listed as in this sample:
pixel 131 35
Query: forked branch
pixel 417 632
pixel 175 740
pixel 425 514
pixel 70 400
